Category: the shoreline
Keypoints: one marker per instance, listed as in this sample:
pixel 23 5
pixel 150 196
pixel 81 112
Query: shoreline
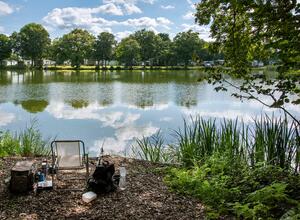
pixel 146 197
pixel 124 68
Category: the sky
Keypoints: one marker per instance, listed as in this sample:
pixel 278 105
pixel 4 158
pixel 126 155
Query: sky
pixel 120 17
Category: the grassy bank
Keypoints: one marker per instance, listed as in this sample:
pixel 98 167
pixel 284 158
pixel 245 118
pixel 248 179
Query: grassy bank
pixel 103 68
pixel 250 172
pixel 118 68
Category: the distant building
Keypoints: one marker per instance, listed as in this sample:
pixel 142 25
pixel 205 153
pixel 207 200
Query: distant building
pixel 257 63
pixel 27 62
pixel 89 62
pixel 67 63
pixel 9 62
pixel 208 63
pixel 220 62
pixel 48 62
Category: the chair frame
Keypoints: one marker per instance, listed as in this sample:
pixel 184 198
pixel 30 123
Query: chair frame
pixel 84 158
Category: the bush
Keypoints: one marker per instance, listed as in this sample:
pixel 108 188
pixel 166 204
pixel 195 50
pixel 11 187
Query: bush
pixel 9 144
pixel 248 193
pixel 28 143
pixel 250 172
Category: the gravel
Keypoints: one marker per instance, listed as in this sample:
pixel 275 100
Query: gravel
pixel 145 197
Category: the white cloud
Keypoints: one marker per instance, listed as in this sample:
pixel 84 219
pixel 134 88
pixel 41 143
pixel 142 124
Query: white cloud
pixel 87 18
pixel 149 1
pixel 166 119
pixel 192 5
pixel 114 119
pixel 1 29
pixel 128 1
pixel 129 6
pixel 155 107
pixel 204 31
pixel 5 9
pixel 227 114
pixel 132 9
pixel 124 137
pixel 167 7
pixel 189 15
pixel 109 9
pixel 6 118
pixel 146 22
pixel 122 34
pixel 163 21
pixel 125 125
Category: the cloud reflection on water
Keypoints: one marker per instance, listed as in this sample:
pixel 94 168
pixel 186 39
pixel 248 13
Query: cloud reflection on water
pixel 124 124
pixel 6 118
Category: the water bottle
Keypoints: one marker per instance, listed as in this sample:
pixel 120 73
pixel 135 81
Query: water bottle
pixel 122 183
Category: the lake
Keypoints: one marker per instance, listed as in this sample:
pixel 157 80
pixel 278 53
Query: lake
pixel 114 106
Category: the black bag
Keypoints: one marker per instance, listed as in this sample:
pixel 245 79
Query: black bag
pixel 22 177
pixel 102 180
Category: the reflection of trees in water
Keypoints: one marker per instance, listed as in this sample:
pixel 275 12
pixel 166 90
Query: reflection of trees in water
pixel 34 106
pixel 79 103
pixel 79 95
pixel 186 94
pixel 35 76
pixel 148 77
pixel 33 92
pixel 144 95
pixel 10 77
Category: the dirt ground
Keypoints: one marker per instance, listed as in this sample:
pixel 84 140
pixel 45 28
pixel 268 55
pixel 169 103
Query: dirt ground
pixel 145 197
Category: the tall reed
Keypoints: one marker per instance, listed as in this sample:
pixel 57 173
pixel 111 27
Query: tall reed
pixel 196 141
pixel 32 142
pixel 268 140
pixel 152 149
pixel 9 144
pixel 275 142
pixel 28 142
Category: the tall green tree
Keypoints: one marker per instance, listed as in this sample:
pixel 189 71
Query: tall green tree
pixel 5 47
pixel 103 47
pixel 149 43
pixel 248 29
pixel 165 52
pixel 32 43
pixel 15 45
pixel 186 45
pixel 128 51
pixel 230 26
pixel 77 46
pixel 56 51
pixel 276 28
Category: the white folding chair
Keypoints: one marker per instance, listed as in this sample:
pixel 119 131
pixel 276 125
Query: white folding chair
pixel 69 155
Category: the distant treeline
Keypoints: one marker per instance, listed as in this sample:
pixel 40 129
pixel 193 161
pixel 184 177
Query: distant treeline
pixel 143 47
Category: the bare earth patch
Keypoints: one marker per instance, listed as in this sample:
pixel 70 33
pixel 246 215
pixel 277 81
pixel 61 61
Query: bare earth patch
pixel 145 197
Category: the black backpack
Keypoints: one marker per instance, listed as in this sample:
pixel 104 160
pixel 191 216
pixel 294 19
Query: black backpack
pixel 103 179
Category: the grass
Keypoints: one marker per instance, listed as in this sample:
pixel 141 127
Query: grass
pixel 269 140
pixel 84 67
pixel 152 149
pixel 249 171
pixel 28 142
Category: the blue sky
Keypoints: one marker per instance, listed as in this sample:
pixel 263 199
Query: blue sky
pixel 120 17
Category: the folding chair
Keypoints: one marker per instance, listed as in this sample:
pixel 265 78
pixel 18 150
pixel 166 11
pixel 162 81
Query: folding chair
pixel 69 155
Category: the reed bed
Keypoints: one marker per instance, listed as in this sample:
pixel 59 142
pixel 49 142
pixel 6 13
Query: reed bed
pixel 28 142
pixel 267 140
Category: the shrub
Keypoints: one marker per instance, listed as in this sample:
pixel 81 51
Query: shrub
pixel 28 143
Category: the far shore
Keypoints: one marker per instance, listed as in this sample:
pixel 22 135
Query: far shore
pixel 119 68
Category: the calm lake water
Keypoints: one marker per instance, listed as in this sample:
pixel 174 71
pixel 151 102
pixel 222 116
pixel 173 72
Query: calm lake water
pixel 114 106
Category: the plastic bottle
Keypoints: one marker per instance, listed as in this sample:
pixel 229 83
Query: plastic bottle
pixel 122 183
